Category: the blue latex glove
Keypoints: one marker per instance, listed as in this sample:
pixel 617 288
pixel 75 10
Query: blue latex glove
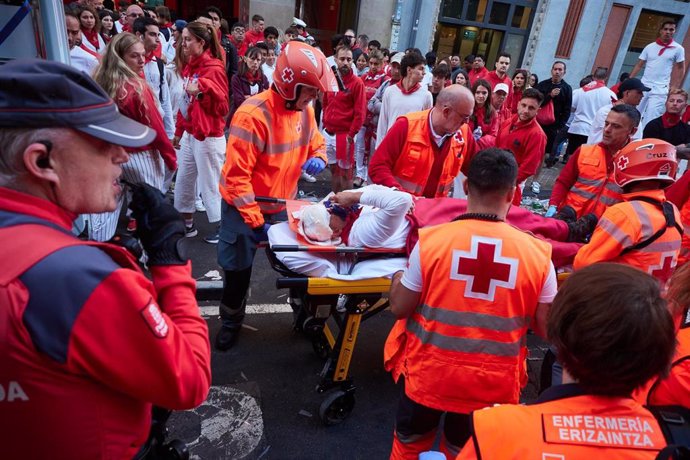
pixel 551 211
pixel 314 166
pixel 261 233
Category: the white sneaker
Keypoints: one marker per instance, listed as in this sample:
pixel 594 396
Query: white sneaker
pixel 308 177
pixel 199 205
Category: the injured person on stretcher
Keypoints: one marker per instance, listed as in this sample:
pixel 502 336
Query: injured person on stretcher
pixel 377 217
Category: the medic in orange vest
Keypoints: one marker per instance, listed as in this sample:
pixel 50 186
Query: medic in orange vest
pixel 423 151
pixel 585 185
pixel 472 288
pixel 273 136
pixel 609 345
pixel 644 231
pixel 674 389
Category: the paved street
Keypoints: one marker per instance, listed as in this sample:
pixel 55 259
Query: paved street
pixel 263 404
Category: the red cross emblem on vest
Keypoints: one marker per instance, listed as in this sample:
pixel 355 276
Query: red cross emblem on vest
pixel 623 163
pixel 664 270
pixel 483 268
pixel 288 75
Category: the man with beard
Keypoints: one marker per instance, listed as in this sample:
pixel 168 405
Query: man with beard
pixel 343 116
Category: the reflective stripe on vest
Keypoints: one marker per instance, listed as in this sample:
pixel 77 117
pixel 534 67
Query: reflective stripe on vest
pixel 416 161
pixel 594 190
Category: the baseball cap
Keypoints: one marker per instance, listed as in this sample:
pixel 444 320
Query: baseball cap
pixel 633 83
pixel 397 58
pixel 501 87
pixel 180 24
pixel 35 93
pixel 298 22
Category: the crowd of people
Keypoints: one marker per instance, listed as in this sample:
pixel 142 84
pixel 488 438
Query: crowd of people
pixel 218 114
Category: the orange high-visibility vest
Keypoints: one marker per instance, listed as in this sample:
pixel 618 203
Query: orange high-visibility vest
pixel 674 389
pixel 624 226
pixel 685 243
pixel 416 160
pixel 574 428
pixel 594 190
pixel 267 146
pixel 465 343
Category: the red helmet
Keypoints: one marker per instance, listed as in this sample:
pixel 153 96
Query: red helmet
pixel 301 64
pixel 645 159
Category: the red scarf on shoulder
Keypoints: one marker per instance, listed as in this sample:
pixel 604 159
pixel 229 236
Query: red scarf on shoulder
pixel 91 36
pixel 405 91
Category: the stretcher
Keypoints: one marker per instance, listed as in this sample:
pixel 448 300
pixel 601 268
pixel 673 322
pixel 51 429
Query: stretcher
pixel 330 311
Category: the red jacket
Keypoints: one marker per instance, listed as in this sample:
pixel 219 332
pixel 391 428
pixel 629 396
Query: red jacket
pixel 477 74
pixel 89 343
pixel 493 78
pixel 142 108
pixel 343 112
pixel 527 142
pixel 489 130
pixel 252 37
pixel 205 114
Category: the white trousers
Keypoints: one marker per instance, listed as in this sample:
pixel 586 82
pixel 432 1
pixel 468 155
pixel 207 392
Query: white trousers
pixel 360 151
pixel 147 167
pixel 199 164
pixel 652 105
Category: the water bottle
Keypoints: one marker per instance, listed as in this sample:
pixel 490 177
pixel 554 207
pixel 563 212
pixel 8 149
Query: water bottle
pixel 477 133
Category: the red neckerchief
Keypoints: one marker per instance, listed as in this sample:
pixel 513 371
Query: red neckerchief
pixel 253 79
pixel 670 120
pixel 168 25
pixel 149 57
pixel 91 36
pixel 90 51
pixel 664 46
pixel 351 218
pixel 596 84
pixel 410 91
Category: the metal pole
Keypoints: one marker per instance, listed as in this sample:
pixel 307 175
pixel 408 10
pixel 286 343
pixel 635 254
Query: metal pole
pixel 54 30
pixel 395 28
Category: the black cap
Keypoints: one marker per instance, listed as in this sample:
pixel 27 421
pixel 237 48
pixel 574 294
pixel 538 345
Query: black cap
pixel 42 94
pixel 632 83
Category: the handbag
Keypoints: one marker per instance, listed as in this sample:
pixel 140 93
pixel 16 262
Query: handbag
pixel 545 115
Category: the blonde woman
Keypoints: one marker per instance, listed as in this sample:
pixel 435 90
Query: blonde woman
pixel 120 74
pixel 200 125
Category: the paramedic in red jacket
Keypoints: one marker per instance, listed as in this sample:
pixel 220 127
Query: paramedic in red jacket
pixel 88 342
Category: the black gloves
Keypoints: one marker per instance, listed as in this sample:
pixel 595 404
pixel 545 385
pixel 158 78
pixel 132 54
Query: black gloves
pixel 159 226
pixel 567 214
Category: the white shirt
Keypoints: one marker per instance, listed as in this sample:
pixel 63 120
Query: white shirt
pixel 585 106
pixel 412 278
pixel 596 132
pixel 396 104
pixel 657 69
pixel 82 60
pixel 101 44
pixel 161 95
pixel 382 223
pixel 268 71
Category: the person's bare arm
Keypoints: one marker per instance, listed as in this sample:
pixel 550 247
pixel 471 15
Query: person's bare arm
pixel 683 152
pixel 677 74
pixel 637 68
pixel 403 300
pixel 541 316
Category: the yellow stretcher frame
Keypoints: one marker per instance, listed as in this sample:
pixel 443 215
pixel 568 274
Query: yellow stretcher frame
pixel 338 346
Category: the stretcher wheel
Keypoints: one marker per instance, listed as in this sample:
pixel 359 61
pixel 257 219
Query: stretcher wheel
pixel 312 326
pixel 336 407
pixel 320 345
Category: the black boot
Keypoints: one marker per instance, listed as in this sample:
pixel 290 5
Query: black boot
pixel 226 338
pixel 580 230
pixel 567 214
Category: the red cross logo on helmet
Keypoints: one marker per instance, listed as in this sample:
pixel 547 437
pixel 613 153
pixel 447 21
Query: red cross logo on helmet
pixel 623 163
pixel 288 75
pixel 483 268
